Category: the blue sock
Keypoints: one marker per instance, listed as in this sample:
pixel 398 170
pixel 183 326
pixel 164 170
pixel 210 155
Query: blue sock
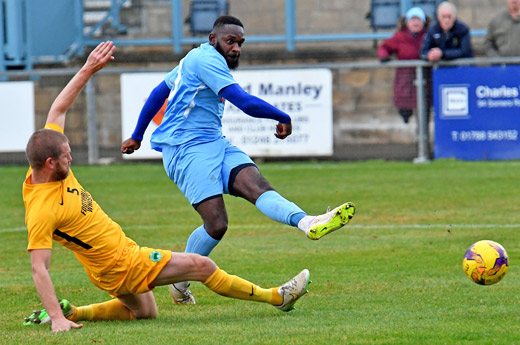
pixel 276 207
pixel 200 242
pixel 295 218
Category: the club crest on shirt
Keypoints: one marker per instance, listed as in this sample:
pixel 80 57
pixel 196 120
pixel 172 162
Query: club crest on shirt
pixel 155 256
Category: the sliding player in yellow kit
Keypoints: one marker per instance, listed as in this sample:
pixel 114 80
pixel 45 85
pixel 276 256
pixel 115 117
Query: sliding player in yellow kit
pixel 59 209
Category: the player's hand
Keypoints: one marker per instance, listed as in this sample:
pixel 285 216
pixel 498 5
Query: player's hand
pixel 63 325
pixel 283 130
pixel 130 145
pixel 100 56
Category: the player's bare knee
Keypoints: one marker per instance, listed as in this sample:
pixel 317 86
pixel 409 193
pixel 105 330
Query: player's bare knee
pixel 152 314
pixel 146 313
pixel 221 227
pixel 205 266
pixel 149 315
pixel 216 228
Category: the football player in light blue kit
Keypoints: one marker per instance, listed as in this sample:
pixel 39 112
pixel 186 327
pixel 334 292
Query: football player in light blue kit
pixel 201 161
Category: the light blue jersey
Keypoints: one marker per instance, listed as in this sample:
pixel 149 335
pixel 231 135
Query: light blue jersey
pixel 194 109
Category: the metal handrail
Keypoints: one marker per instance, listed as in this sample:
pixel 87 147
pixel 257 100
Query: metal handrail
pixel 331 65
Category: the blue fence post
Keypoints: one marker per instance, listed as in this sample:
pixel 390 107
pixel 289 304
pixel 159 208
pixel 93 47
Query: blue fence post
pixel 2 18
pixel 80 39
pixel 405 5
pixel 15 47
pixel 177 25
pixel 114 13
pixel 290 24
pixel 28 43
pixel 115 8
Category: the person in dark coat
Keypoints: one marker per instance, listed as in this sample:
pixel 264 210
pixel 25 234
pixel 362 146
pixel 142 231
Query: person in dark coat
pixel 406 44
pixel 448 38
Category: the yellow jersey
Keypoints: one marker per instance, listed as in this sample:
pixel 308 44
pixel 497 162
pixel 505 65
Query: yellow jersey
pixel 65 212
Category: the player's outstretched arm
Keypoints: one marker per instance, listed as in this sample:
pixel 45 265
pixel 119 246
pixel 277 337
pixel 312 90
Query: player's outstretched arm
pixel 153 104
pixel 40 260
pixel 97 59
pixel 256 107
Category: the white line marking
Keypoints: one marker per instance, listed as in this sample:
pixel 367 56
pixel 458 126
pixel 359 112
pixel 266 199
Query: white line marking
pixel 355 226
pixel 426 226
pixel 21 228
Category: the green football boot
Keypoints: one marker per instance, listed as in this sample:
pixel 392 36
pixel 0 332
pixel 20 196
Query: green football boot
pixel 39 317
pixel 331 221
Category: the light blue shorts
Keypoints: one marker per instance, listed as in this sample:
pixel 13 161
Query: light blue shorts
pixel 202 171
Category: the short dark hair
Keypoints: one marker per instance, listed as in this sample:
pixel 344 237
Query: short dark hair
pixel 44 143
pixel 225 20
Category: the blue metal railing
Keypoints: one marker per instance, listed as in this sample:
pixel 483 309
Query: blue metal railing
pixel 290 38
pixel 112 15
pixel 2 19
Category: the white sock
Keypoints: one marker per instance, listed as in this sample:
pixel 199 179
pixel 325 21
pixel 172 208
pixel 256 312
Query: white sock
pixel 305 222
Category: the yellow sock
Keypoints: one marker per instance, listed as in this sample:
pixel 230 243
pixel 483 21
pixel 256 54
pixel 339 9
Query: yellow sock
pixel 109 310
pixel 277 299
pixel 235 287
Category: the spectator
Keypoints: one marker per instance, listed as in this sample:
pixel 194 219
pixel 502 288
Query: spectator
pixel 406 44
pixel 504 32
pixel 448 38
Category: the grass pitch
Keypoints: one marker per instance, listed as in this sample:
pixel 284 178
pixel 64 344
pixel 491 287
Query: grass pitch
pixel 393 276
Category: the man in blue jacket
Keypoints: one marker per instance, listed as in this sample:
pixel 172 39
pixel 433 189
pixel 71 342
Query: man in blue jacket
pixel 448 38
pixel 201 161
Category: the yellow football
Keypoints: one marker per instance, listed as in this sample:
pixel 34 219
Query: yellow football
pixel 486 262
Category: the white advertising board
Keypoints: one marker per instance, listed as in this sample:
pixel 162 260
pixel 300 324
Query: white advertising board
pixel 305 94
pixel 17 100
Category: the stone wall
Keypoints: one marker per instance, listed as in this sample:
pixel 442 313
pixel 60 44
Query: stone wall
pixel 267 17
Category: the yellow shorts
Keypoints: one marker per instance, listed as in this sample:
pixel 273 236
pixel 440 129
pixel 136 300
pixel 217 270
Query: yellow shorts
pixel 133 273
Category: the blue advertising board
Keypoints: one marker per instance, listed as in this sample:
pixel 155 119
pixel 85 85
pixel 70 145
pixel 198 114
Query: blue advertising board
pixel 477 112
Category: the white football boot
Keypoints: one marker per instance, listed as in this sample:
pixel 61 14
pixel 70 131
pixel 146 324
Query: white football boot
pixel 181 293
pixel 293 290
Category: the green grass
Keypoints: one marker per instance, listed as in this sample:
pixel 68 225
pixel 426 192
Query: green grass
pixel 393 277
